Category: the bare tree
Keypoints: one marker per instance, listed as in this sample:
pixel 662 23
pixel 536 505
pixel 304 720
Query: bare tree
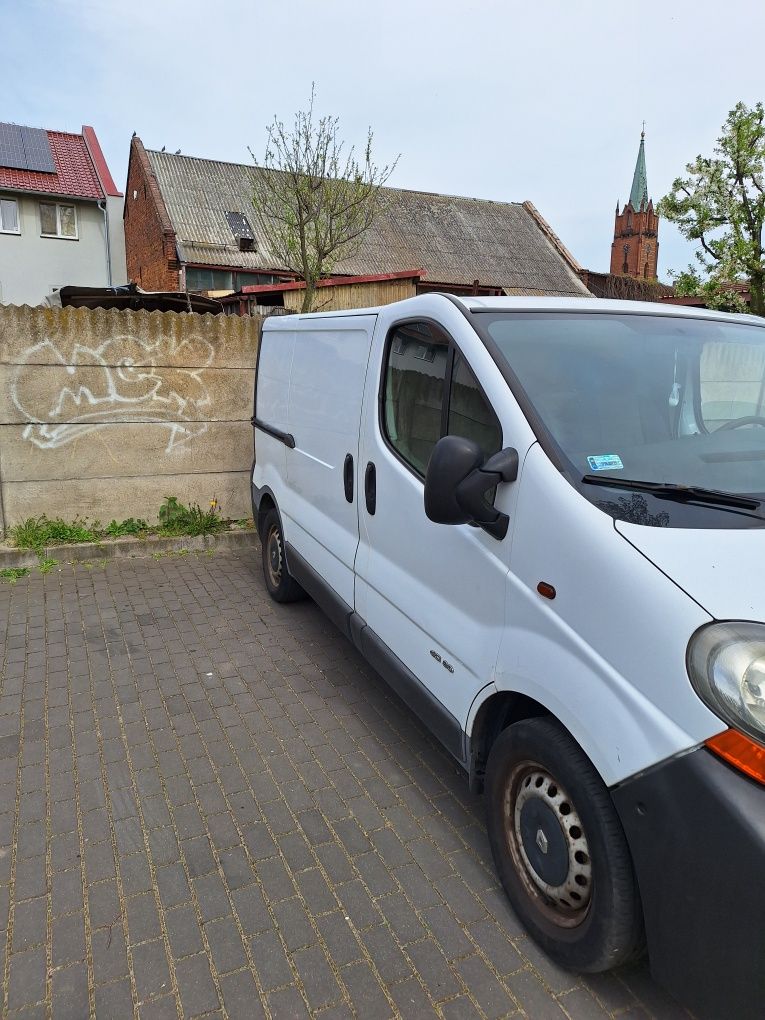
pixel 313 199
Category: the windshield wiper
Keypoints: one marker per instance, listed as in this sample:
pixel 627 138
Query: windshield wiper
pixel 683 493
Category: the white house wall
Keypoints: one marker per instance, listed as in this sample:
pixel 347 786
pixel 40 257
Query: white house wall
pixel 31 266
pixel 114 207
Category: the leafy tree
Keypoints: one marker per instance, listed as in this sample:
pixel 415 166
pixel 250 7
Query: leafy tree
pixel 717 293
pixel 313 199
pixel 721 204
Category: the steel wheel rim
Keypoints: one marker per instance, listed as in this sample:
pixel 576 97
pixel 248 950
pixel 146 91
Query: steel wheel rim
pixel 566 903
pixel 274 556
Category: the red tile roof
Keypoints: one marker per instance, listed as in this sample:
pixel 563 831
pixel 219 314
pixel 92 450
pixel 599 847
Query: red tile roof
pixel 75 174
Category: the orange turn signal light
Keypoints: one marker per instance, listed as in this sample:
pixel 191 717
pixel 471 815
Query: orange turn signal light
pixel 740 751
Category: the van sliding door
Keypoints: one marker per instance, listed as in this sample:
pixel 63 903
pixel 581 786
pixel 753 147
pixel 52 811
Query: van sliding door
pixel 329 367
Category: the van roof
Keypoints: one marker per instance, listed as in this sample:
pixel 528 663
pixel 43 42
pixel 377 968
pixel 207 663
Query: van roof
pixel 538 304
pixel 600 305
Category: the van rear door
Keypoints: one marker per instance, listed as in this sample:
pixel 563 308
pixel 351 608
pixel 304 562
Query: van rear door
pixel 321 523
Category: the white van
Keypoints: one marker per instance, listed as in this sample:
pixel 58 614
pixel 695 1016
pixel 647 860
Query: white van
pixel 542 521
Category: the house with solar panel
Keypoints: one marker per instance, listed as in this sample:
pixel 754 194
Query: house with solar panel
pixel 60 214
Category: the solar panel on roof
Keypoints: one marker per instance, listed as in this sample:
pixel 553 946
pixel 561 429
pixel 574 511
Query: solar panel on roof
pixel 12 147
pixel 37 149
pixel 25 148
pixel 240 226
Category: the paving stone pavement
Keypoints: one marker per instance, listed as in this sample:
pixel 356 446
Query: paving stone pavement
pixel 211 807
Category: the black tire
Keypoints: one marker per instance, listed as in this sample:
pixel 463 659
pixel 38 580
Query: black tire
pixel 548 809
pixel 281 585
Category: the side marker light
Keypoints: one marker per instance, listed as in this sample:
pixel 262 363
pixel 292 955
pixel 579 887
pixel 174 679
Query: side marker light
pixel 738 750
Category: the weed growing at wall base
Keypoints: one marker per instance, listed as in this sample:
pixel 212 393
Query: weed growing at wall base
pixel 177 519
pixel 12 574
pixel 37 532
pixel 174 519
pixel 130 526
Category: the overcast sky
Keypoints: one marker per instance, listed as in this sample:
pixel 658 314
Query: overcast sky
pixel 500 99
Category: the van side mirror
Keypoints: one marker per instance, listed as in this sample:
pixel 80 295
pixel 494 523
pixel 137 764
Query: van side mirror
pixel 457 481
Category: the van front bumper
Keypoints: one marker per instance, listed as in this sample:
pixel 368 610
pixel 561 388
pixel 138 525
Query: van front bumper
pixel 696 830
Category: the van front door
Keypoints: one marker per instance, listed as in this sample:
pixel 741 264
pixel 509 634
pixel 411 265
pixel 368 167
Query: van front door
pixel 433 595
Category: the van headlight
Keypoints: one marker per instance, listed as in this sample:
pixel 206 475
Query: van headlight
pixel 726 665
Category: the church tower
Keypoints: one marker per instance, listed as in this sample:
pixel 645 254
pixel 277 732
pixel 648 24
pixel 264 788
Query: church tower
pixel 635 251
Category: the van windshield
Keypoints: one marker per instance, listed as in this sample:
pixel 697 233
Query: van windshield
pixel 640 409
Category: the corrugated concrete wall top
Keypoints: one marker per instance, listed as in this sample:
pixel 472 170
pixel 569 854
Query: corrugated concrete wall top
pixel 104 413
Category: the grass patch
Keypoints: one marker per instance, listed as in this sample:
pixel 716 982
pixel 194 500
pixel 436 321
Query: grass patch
pixel 12 574
pixel 174 520
pixel 37 532
pixel 134 526
pixel 46 564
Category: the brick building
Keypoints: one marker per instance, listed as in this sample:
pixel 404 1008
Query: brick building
pixel 189 225
pixel 152 259
pixel 635 248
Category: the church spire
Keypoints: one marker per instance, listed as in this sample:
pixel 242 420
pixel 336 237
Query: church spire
pixel 639 193
pixel 635 248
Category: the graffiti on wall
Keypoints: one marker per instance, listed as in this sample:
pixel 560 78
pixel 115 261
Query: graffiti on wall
pixel 63 396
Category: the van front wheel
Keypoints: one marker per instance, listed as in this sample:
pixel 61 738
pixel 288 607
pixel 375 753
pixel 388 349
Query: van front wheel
pixel 281 585
pixel 559 848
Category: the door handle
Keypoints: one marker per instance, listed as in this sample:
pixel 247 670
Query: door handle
pixel 370 488
pixel 348 477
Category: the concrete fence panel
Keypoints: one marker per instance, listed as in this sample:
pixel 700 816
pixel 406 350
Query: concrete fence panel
pixel 104 413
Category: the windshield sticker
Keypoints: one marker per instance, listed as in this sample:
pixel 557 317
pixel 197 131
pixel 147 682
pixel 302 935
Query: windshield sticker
pixel 606 462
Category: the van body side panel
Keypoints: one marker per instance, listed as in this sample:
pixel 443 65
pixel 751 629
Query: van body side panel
pixel 438 605
pixel 607 655
pixel 272 406
pixel 326 388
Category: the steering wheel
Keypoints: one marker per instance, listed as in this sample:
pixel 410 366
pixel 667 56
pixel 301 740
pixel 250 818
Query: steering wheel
pixel 737 423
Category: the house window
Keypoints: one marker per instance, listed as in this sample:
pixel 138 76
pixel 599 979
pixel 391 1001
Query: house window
pixel 9 216
pixel 208 279
pixel 58 220
pixel 254 279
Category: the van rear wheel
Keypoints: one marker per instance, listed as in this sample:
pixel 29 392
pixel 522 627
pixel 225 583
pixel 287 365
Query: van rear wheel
pixel 281 585
pixel 560 849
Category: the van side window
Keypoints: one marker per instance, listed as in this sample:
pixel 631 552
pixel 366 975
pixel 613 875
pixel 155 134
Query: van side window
pixel 469 413
pixel 414 391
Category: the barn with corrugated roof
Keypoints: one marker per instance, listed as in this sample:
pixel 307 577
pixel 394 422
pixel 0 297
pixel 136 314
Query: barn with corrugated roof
pixel 189 225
